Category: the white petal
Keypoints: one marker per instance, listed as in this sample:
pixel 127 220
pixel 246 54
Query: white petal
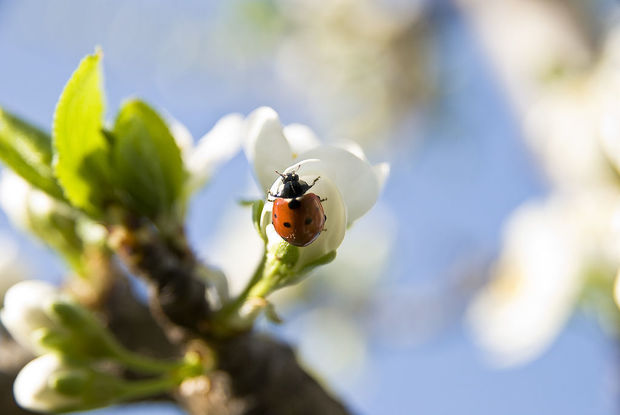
pixel 181 135
pixel 24 310
pixel 355 178
pixel 352 147
pixel 32 390
pixel 301 138
pixel 266 147
pixel 214 148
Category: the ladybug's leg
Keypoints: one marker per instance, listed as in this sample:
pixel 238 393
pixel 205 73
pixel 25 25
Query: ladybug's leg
pixel 271 197
pixel 323 200
pixel 315 180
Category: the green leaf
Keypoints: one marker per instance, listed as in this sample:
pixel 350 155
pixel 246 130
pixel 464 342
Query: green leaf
pixel 82 163
pixel 257 211
pixel 28 151
pixel 148 164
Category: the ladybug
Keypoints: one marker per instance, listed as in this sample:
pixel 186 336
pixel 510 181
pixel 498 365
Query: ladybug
pixel 297 216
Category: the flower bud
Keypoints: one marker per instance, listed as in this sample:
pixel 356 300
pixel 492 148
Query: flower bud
pixel 34 390
pixel 41 319
pixel 25 312
pixel 51 383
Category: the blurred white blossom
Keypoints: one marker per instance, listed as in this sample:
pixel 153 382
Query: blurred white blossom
pixel 34 386
pixel 361 66
pixel 216 147
pixel 547 251
pixel 553 248
pixel 554 42
pixel 57 224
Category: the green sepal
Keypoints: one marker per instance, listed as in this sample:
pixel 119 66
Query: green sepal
pixel 148 165
pixel 69 382
pixel 28 152
pixel 72 316
pixel 287 255
pixel 83 335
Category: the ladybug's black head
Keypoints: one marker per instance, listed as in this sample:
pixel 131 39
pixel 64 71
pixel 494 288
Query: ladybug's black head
pixel 290 177
pixel 292 187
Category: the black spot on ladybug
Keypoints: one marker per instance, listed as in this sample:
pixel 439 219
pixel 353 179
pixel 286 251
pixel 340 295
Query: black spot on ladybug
pixel 287 225
pixel 294 204
pixel 275 216
pixel 308 221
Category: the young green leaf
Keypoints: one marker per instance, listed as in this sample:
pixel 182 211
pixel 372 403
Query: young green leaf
pixel 82 162
pixel 148 164
pixel 28 151
pixel 257 211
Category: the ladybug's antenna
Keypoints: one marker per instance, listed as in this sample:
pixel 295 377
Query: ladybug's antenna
pixel 280 174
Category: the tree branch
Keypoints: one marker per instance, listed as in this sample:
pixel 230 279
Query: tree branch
pixel 255 374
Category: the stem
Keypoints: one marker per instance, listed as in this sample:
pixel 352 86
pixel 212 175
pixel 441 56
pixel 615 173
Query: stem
pixel 145 364
pixel 234 305
pixel 144 388
pixel 264 286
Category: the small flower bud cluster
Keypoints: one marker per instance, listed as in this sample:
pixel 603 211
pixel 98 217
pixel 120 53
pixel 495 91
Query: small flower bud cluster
pixel 70 341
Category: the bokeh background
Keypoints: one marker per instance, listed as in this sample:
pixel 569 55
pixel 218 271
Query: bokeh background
pixel 439 89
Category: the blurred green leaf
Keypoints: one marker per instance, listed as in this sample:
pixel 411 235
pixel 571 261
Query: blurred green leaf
pixel 28 151
pixel 147 160
pixel 82 162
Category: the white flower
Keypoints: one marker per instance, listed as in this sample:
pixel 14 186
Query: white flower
pixel 25 312
pixel 34 389
pixel 24 204
pixel 213 149
pixel 548 249
pixel 28 206
pixel 348 181
pixel 562 130
pixel 524 59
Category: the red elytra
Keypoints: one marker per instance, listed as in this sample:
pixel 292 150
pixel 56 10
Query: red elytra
pixel 297 216
pixel 298 221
